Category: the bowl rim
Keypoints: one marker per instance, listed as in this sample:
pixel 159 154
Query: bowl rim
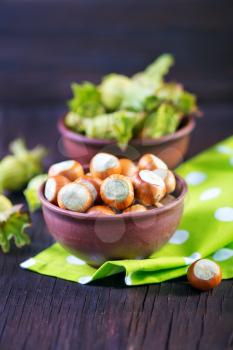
pixel 74 136
pixel 135 215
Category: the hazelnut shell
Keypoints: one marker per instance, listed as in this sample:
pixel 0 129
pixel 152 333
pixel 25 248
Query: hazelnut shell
pixel 197 281
pixel 151 162
pixel 102 171
pixel 119 204
pixel 57 182
pixel 70 169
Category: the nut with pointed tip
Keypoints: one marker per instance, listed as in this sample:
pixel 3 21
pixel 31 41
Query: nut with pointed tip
pixel 117 191
pixel 168 177
pixel 76 197
pixel 69 168
pixel 204 274
pixel 103 165
pixel 53 186
pixel 151 162
pixel 136 208
pixel 101 210
pixel 93 184
pixel 128 168
pixel 149 187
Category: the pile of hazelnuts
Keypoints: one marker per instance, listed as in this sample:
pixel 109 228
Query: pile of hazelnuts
pixel 112 186
pixel 117 186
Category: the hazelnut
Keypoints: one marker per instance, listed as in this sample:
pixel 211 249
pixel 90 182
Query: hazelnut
pixel 103 165
pixel 128 168
pixel 204 274
pixel 53 186
pixel 117 191
pixel 151 162
pixel 100 210
pixel 135 208
pixel 167 199
pixel 168 177
pixel 92 183
pixel 75 196
pixel 69 168
pixel 149 187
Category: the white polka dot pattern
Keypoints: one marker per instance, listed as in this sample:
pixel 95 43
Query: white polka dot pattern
pixel 195 178
pixel 223 254
pixel 224 149
pixel 85 279
pixel 193 257
pixel 224 214
pixel 28 263
pixel 211 193
pixel 73 260
pixel 128 280
pixel 179 237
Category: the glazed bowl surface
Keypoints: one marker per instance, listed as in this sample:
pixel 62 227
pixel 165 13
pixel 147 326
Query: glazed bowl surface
pixel 171 148
pixel 97 239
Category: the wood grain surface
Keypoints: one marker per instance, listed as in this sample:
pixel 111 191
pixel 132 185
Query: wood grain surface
pixel 44 45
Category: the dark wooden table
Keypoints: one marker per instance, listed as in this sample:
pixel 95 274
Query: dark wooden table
pixel 39 312
pixel 44 45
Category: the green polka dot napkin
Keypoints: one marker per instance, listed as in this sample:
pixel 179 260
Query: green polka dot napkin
pixel 206 230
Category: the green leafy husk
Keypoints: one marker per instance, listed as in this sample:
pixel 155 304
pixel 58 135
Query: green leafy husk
pixel 19 167
pixel 163 121
pixel 31 192
pixel 122 107
pixel 86 101
pixel 13 223
pixel 118 126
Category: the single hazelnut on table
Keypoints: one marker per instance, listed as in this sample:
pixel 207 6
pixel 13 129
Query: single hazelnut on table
pixel 75 196
pixel 53 186
pixel 135 208
pixel 204 274
pixel 69 168
pixel 149 187
pixel 117 191
pixel 100 210
pixel 168 177
pixel 128 168
pixel 92 183
pixel 151 162
pixel 103 165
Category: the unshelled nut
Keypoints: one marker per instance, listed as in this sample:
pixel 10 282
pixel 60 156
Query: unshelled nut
pixel 103 165
pixel 167 199
pixel 151 162
pixel 204 274
pixel 117 191
pixel 53 186
pixel 128 168
pixel 92 183
pixel 69 168
pixel 135 208
pixel 75 196
pixel 100 210
pixel 168 177
pixel 149 187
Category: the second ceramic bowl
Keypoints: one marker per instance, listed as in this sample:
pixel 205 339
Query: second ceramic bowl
pixel 171 148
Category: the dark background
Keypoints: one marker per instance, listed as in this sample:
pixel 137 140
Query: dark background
pixel 44 45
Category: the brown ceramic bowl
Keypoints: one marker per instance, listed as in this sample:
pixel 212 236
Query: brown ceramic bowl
pixel 124 236
pixel 171 148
